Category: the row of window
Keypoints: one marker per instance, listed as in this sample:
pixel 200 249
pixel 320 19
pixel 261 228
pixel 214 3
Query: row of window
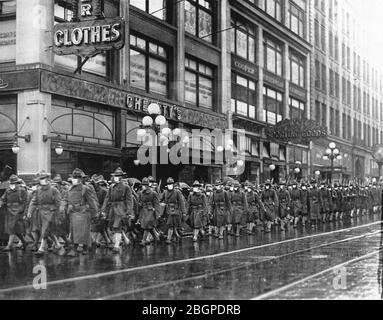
pixel 243 101
pixel 348 132
pixel 243 44
pixel 296 19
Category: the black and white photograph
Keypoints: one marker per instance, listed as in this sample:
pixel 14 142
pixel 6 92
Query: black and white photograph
pixel 205 152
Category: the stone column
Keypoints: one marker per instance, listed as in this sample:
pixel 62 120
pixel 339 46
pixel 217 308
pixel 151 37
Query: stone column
pixel 180 54
pixel 34 26
pixel 286 77
pixel 260 59
pixel 224 24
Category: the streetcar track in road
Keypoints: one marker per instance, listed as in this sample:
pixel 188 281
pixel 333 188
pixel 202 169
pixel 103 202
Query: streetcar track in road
pixel 248 264
pixel 163 264
pixel 295 283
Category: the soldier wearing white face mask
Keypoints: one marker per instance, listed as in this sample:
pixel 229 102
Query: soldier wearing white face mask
pixel 33 221
pixel 15 199
pixel 118 204
pixel 175 208
pixel 81 205
pixel 46 200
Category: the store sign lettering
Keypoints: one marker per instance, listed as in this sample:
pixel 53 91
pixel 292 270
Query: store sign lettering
pixel 141 104
pixel 3 84
pixel 296 131
pixel 90 35
pixel 244 67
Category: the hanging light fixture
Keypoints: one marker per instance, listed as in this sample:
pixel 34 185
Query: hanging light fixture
pixel 15 148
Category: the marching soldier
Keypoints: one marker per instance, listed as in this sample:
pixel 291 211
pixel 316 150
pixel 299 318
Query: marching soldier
pixel 284 204
pixel 305 203
pixel 270 201
pixel 118 204
pixel 296 203
pixel 33 221
pixel 47 201
pixel 197 210
pixel 15 199
pixel 239 208
pixel 149 211
pixel 100 223
pixel 335 201
pixel 314 197
pixel 209 222
pixel 81 205
pixel 220 207
pixel 325 204
pixel 254 206
pixel 61 218
pixel 175 208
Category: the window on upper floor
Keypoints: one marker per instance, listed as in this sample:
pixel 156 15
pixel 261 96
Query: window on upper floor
pixel 243 40
pixel 297 109
pixel 272 105
pixel 273 56
pixel 243 96
pixel 148 65
pixel 7 6
pixel 199 84
pixel 297 20
pixel 7 31
pixel 272 8
pixel 199 19
pixel 156 8
pixel 297 69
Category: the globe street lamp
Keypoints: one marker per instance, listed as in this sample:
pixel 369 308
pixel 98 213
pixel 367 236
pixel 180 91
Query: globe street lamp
pixel 332 153
pixel 155 121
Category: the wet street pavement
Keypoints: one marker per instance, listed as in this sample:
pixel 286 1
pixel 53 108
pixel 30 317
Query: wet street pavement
pixel 337 261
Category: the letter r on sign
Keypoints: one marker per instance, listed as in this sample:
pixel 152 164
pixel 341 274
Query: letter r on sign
pixel 86 10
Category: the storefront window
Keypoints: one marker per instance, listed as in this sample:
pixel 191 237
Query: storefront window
pixel 83 123
pixel 198 84
pixel 243 40
pixel 273 56
pixel 272 106
pixel 199 18
pixel 8 111
pixel 157 8
pixel 148 66
pixel 243 97
pixel 297 109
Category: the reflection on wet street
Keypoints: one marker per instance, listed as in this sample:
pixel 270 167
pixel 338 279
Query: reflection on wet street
pixel 337 261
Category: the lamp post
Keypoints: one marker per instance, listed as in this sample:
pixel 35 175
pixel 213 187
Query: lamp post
pixel 332 153
pixel 378 157
pixel 154 121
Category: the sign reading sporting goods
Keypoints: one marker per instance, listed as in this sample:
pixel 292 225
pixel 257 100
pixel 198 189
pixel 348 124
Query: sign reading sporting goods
pixel 296 131
pixel 91 34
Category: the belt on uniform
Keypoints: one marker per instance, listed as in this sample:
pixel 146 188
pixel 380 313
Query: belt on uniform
pixel 78 206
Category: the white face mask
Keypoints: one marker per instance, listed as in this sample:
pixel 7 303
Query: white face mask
pixel 304 188
pixel 267 187
pixel 208 193
pixel 116 179
pixel 218 187
pixel 196 190
pixel 170 187
pixel 12 186
pixel 231 188
pixel 75 182
pixel 294 186
pixel 34 188
pixel 43 182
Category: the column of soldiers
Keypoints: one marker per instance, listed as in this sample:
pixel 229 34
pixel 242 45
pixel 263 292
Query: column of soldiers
pixel 70 217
